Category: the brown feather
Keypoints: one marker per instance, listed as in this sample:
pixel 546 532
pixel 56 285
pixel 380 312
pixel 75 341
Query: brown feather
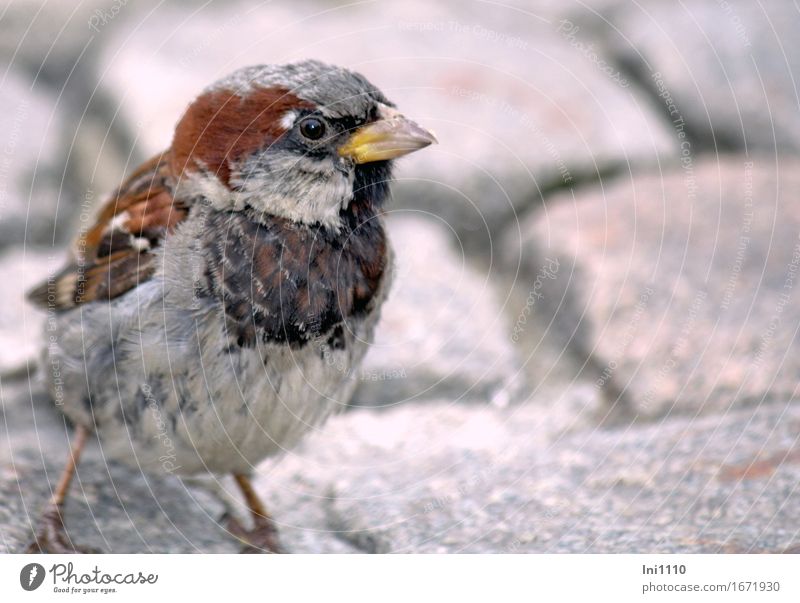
pixel 114 255
pixel 221 126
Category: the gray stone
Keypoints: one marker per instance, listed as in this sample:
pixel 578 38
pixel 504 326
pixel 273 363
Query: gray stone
pixel 678 288
pixel 50 41
pixel 442 331
pixel 508 132
pixel 22 327
pixel 444 478
pixel 731 67
pixel 82 148
pixel 30 130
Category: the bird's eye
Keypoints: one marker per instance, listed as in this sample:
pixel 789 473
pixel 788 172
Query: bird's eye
pixel 312 128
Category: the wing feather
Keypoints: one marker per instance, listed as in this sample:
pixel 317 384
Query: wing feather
pixel 115 255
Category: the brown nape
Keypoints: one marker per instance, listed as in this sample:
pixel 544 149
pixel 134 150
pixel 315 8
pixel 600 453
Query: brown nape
pixel 223 125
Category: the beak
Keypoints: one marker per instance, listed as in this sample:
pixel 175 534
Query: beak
pixel 392 136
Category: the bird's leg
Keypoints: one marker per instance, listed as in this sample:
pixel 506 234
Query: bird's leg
pixel 51 537
pixel 263 538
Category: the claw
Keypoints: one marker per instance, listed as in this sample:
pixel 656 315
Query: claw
pixel 263 538
pixel 52 537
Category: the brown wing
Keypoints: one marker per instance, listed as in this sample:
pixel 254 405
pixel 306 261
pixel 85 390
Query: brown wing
pixel 115 254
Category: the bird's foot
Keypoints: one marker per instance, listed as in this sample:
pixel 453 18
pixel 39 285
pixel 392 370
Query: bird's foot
pixel 263 538
pixel 52 537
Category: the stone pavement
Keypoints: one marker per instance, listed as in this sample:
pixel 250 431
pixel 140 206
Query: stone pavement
pixel 591 341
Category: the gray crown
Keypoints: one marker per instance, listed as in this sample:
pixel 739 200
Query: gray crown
pixel 337 91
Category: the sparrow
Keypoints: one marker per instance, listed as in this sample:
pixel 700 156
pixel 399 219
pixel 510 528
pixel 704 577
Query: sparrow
pixel 220 305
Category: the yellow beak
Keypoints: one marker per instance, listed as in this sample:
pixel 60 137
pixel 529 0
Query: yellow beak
pixel 393 135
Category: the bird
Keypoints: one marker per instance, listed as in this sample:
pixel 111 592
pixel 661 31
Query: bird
pixel 220 304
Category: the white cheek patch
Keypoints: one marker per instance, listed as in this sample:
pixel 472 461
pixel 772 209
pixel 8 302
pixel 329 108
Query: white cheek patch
pixel 297 188
pixel 288 119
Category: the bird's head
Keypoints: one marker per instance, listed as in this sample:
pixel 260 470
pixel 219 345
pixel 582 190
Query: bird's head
pixel 301 141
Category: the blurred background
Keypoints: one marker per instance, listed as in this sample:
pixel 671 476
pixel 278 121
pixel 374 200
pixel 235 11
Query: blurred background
pixel 591 345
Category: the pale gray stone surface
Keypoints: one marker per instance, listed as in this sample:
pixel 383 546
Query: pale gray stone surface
pixel 525 240
pixel 443 330
pixel 680 286
pixel 482 480
pixel 30 130
pixel 730 67
pixel 440 477
pixel 73 147
pixel 22 326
